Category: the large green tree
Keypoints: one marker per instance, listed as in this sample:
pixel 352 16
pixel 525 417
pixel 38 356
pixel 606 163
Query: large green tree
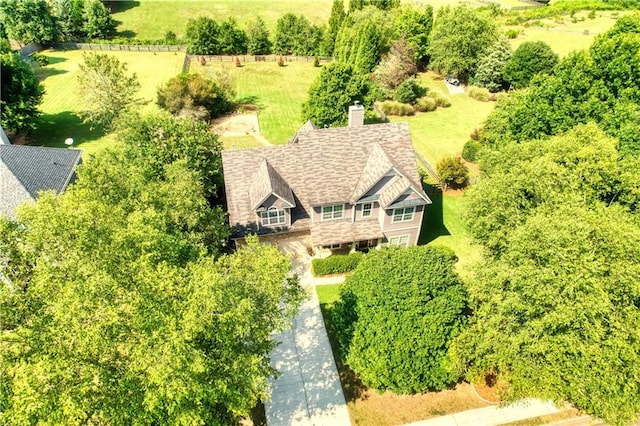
pixel 335 21
pixel 28 21
pixel 20 93
pixel 295 35
pixel 399 311
pixel 337 87
pixel 202 36
pixel 491 66
pixel 232 39
pixel 108 92
pixel 601 84
pixel 115 310
pixel 415 25
pixel 98 22
pixel 555 314
pixel 460 37
pixel 529 59
pixel 258 42
pixel 156 140
pixel 69 16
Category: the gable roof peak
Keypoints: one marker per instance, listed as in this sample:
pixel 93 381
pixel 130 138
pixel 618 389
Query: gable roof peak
pixel 267 181
pixel 377 165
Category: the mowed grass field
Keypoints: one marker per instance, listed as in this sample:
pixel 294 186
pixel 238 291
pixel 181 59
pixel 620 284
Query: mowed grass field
pixel 62 102
pixel 567 34
pixel 278 92
pixel 151 19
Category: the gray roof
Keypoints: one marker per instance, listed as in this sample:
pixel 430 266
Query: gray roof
pixel 324 166
pixel 28 170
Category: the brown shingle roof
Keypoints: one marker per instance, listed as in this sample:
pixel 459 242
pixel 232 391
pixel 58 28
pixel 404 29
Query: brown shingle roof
pixel 324 167
pixel 375 168
pixel 267 181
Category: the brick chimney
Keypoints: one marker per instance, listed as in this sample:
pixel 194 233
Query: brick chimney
pixel 356 115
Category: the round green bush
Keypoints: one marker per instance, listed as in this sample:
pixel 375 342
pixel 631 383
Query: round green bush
pixel 397 315
pixel 452 171
pixel 396 108
pixel 470 150
pixel 426 104
pixel 479 93
pixel 441 100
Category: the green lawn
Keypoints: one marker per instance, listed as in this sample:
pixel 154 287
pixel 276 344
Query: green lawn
pixel 564 35
pixel 278 92
pixel 61 101
pixel 443 132
pixel 240 142
pixel 151 19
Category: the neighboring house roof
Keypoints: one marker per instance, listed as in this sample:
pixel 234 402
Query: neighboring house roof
pixel 323 167
pixel 4 140
pixel 27 170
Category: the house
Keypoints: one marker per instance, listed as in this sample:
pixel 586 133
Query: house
pixel 354 186
pixel 27 170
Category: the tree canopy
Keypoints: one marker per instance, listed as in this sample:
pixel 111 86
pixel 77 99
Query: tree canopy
pixel 529 59
pixel 20 93
pixel 491 67
pixel 258 42
pixel 337 87
pixel 398 313
pixel 558 288
pixel 108 92
pixel 117 306
pixel 202 36
pixel 28 21
pixel 295 35
pixel 601 85
pixel 460 37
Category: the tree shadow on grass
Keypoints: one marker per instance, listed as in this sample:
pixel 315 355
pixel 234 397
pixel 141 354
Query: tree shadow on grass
pixel 352 387
pixel 433 218
pixel 56 59
pixel 120 5
pixel 43 72
pixel 54 129
pixel 250 100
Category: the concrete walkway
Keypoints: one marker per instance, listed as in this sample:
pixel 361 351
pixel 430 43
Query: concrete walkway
pixel 493 415
pixel 308 392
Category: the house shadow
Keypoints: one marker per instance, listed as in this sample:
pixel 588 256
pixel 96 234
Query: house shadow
pixel 56 60
pixel 433 218
pixel 43 72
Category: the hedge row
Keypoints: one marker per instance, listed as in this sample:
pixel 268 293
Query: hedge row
pixel 336 264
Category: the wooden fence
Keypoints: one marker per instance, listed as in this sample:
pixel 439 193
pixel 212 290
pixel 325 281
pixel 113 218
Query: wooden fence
pixel 120 47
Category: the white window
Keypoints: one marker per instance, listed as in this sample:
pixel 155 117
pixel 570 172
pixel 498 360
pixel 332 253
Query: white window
pixel 402 240
pixel 332 212
pixel 366 209
pixel 332 246
pixel 403 214
pixel 273 216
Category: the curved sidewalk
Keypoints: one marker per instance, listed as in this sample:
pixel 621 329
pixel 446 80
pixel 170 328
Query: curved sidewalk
pixel 308 392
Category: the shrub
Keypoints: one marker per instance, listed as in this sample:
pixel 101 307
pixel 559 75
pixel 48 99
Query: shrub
pixel 470 150
pixel 479 93
pixel 452 171
pixel 237 62
pixel 336 264
pixel 408 91
pixel 396 108
pixel 512 33
pixel 399 299
pixel 42 60
pixel 425 104
pixel 170 37
pixel 441 100
pixel 316 61
pixel 280 61
pixel 192 95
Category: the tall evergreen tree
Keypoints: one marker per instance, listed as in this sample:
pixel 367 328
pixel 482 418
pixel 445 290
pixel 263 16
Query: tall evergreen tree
pixel 335 21
pixel 258 42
